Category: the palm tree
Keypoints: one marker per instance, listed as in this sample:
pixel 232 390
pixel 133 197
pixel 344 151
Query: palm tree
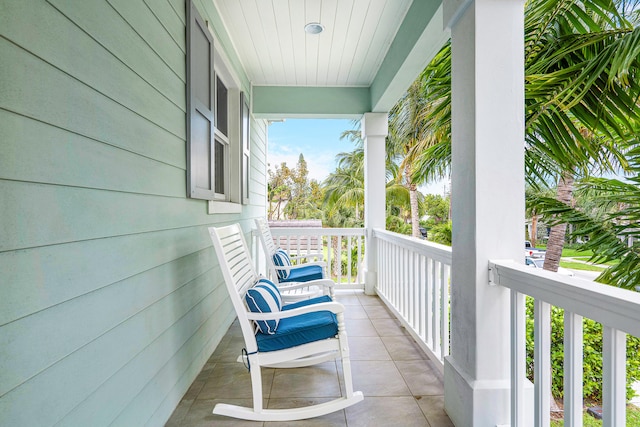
pixel 581 60
pixel 616 238
pixel 405 132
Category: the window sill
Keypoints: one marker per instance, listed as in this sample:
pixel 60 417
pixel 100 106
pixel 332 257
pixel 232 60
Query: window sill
pixel 224 208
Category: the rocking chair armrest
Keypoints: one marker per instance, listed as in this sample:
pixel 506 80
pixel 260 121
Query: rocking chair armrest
pixel 334 307
pixel 306 264
pixel 325 283
pixel 289 286
pixel 309 255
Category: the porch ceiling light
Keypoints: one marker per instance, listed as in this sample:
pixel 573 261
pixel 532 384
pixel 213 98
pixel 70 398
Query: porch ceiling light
pixel 314 28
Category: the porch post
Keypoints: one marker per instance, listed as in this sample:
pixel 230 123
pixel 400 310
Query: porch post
pixel 374 131
pixel 487 39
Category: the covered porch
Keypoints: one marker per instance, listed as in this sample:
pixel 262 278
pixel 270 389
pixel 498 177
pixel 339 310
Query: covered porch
pixel 118 152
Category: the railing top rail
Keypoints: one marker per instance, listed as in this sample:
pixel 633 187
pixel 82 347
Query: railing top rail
pixel 436 251
pixel 316 231
pixel 611 306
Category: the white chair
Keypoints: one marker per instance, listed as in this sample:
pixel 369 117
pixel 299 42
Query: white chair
pixel 304 333
pixel 285 268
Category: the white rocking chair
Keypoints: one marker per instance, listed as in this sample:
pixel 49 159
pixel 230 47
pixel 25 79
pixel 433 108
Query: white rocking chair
pixel 320 318
pixel 291 269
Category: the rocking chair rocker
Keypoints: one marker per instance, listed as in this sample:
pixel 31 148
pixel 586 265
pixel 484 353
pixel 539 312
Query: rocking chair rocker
pixel 301 334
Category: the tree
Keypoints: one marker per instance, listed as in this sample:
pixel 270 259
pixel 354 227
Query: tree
pixel 404 133
pixel 291 194
pixel 581 59
pixel 279 190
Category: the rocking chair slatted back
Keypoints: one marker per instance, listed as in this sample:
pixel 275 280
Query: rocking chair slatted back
pixel 269 245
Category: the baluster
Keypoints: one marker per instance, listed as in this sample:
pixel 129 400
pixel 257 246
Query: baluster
pixel 444 310
pixel 349 260
pixel 422 283
pixel 359 260
pixel 339 259
pixel 518 358
pixel 572 369
pixel 614 359
pixel 430 327
pixel 542 362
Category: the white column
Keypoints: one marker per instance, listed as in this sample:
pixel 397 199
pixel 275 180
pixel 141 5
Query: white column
pixel 374 130
pixel 487 202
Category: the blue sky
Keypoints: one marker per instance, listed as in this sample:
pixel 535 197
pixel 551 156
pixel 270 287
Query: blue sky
pixel 319 141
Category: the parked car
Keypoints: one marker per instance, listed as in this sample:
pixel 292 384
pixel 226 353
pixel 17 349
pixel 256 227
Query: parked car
pixel 532 252
pixel 423 232
pixel 539 263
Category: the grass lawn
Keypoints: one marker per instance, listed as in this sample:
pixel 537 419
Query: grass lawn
pixel 576 253
pixel 580 266
pixel 633 419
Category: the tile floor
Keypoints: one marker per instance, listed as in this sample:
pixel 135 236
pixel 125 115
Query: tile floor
pixel 402 387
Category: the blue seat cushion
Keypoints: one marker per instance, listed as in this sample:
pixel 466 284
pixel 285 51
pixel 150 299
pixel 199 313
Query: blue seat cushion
pixel 304 274
pixel 302 329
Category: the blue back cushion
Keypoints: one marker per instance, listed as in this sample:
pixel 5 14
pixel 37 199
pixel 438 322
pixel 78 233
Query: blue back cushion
pixel 261 298
pixel 273 289
pixel 281 259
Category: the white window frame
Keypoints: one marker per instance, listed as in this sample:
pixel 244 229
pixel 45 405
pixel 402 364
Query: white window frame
pixel 231 200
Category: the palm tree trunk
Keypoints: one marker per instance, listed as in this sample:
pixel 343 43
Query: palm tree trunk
pixel 558 232
pixel 415 220
pixel 534 230
pixel 413 200
pixel 337 262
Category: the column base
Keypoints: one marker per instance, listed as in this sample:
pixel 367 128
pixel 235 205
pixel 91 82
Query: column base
pixel 370 282
pixel 479 403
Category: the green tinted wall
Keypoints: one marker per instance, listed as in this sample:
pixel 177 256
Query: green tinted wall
pixel 111 299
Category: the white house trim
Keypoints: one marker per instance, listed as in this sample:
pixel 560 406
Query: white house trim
pixel 487 203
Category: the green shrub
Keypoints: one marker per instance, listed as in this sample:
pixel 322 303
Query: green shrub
pixel 397 225
pixel 441 233
pixel 592 358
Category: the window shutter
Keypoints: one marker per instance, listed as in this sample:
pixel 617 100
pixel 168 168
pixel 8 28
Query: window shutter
pixel 245 140
pixel 200 106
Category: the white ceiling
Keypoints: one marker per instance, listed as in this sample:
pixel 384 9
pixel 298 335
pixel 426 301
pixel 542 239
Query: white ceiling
pixel 270 40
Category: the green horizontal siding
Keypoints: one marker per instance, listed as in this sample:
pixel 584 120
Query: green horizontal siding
pixel 111 298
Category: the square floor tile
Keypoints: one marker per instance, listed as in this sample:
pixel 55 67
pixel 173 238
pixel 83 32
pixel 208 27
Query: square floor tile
pixel 335 419
pixel 378 378
pixel 420 377
pixel 355 312
pixel 371 300
pixel 388 327
pixel 367 348
pixel 377 312
pixel 312 381
pixel 403 348
pixel 386 411
pixel 433 409
pixel 232 380
pixel 201 414
pixel 360 328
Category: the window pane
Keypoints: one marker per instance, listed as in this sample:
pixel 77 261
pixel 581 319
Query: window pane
pixel 245 179
pixel 245 127
pixel 219 169
pixel 221 104
pixel 200 154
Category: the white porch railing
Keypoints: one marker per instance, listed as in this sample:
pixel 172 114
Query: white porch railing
pixel 413 280
pixel 343 250
pixel 618 310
